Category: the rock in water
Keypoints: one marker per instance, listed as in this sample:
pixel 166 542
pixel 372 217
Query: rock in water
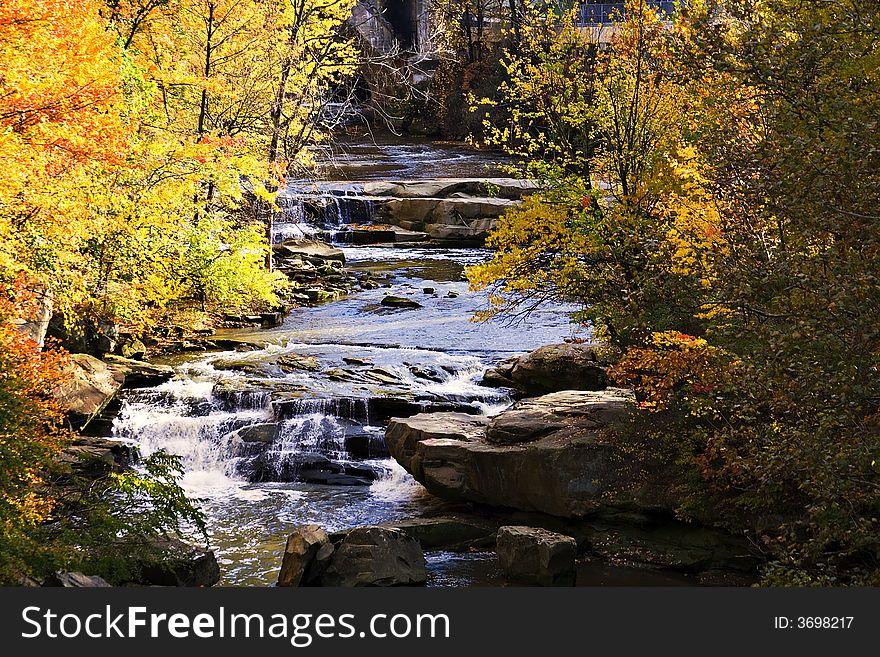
pixel 552 454
pixel 139 373
pixel 400 302
pixel 90 386
pixel 376 556
pixel 306 556
pixel 551 368
pixel 448 532
pixel 536 556
pixel 264 432
pixel 309 250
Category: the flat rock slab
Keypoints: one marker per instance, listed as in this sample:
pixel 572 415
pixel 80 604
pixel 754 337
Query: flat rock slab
pixel 138 373
pixel 505 188
pixel 565 411
pixel 571 470
pixel 311 250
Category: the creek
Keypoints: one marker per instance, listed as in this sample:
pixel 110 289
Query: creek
pixel 360 354
pixel 288 428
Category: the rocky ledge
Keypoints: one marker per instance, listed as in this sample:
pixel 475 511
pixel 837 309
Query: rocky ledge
pixel 554 367
pixel 553 454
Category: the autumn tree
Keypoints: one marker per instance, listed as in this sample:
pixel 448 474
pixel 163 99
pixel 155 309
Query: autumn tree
pixel 60 127
pixel 29 431
pixel 604 130
pixel 797 301
pixel 726 246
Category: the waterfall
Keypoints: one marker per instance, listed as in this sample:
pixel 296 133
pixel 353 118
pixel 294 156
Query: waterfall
pixel 348 408
pixel 229 439
pixel 181 417
pixel 294 222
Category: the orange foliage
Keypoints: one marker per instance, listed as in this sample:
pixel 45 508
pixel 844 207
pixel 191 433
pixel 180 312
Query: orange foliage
pixel 673 363
pixel 60 82
pixel 60 101
pixel 30 418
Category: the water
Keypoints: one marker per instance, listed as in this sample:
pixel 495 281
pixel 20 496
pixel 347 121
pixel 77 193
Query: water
pixel 327 207
pixel 381 156
pixel 255 429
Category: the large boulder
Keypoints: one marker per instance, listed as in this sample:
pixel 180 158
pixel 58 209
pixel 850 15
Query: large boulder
pixel 536 556
pixel 376 556
pixel 89 386
pixel 570 469
pixel 551 368
pixel 306 556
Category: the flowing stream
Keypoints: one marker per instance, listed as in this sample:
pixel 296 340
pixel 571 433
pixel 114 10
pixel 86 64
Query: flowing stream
pixel 292 433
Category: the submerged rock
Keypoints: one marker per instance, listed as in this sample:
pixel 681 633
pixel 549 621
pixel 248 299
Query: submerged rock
pixel 376 556
pixel 536 556
pixel 400 302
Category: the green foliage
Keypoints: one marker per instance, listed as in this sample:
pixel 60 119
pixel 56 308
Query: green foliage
pixel 115 525
pixel 543 109
pixel 224 266
pixel 725 240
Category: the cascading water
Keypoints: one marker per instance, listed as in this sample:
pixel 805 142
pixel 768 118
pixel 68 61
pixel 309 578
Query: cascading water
pixel 313 214
pixel 267 446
